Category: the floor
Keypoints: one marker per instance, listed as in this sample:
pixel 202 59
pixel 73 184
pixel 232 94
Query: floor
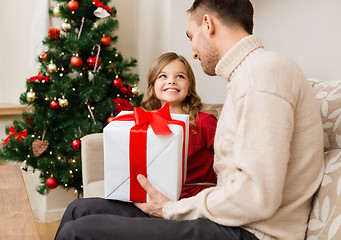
pixel 47 231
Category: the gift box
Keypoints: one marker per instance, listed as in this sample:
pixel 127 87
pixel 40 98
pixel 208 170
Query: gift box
pixel 150 143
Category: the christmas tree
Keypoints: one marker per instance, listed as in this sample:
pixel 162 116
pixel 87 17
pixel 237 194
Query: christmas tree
pixel 82 84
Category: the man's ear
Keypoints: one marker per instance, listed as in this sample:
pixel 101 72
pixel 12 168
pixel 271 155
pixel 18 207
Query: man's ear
pixel 208 24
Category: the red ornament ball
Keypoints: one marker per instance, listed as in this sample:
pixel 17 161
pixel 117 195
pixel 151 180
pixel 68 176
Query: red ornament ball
pixel 106 41
pixel 73 5
pixel 54 104
pixel 51 183
pixel 125 89
pixel 93 62
pixel 117 82
pixel 76 144
pixel 76 61
pixel 43 56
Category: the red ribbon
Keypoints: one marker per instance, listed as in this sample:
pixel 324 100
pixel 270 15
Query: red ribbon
pixel 101 5
pixel 159 120
pixel 13 133
pixel 39 77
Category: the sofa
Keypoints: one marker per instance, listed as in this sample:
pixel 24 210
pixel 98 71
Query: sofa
pixel 325 219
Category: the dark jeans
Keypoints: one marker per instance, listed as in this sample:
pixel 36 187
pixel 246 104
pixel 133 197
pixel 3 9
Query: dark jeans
pixel 96 218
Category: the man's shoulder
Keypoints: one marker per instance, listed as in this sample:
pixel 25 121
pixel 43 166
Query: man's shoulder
pixel 271 60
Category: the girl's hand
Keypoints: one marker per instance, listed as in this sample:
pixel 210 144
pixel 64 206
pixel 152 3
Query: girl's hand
pixel 156 199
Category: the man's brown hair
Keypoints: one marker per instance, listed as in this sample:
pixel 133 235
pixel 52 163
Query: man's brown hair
pixel 230 12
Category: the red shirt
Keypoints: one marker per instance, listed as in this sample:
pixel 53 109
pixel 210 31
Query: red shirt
pixel 200 155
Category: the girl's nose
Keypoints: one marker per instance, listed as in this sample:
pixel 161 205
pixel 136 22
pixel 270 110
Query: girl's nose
pixel 171 80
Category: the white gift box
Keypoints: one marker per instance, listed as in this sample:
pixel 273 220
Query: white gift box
pixel 166 164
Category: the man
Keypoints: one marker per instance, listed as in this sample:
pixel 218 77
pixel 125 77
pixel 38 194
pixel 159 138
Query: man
pixel 268 148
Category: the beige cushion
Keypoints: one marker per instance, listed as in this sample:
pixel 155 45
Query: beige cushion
pixel 92 165
pixel 95 189
pixel 328 95
pixel 214 109
pixel 325 217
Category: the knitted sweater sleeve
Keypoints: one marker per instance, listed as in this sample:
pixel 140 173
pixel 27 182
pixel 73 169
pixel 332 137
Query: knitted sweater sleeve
pixel 251 181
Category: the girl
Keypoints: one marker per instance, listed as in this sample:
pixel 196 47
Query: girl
pixel 171 79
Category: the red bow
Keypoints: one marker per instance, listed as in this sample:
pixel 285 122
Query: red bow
pixel 157 119
pixel 100 4
pixel 39 77
pixel 13 133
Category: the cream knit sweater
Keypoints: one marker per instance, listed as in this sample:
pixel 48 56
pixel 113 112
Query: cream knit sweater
pixel 268 148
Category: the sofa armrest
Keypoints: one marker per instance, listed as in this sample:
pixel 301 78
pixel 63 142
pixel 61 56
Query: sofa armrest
pixel 93 165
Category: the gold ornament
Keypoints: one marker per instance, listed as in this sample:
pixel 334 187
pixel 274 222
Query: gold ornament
pixel 135 90
pixel 66 27
pixel 63 102
pixel 30 96
pixel 56 11
pixel 51 67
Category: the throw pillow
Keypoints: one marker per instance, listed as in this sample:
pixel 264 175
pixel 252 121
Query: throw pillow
pixel 328 95
pixel 325 217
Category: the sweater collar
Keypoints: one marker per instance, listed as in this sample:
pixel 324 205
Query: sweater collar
pixel 232 58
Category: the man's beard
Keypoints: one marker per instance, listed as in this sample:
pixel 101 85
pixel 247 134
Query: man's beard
pixel 210 62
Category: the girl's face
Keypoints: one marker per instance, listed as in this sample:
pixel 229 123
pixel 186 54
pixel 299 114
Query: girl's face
pixel 171 85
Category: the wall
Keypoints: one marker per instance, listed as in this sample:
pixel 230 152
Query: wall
pixel 309 31
pixel 14 48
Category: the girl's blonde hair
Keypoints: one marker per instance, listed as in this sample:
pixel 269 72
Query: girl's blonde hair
pixel 192 103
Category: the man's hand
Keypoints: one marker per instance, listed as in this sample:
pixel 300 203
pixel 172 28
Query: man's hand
pixel 156 199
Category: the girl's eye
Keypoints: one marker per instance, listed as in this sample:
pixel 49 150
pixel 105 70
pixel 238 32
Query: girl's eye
pixel 162 76
pixel 181 76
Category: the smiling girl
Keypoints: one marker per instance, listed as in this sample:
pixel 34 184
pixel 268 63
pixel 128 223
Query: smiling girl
pixel 171 79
